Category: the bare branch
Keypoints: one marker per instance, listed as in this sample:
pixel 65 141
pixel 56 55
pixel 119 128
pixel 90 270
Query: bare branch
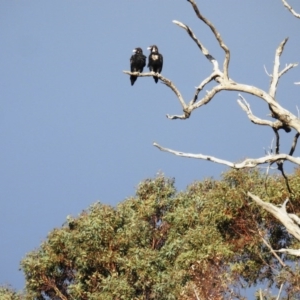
pixel 295 218
pixel 290 9
pixel 288 67
pixel 286 219
pixel 275 75
pixel 181 117
pixel 247 163
pixel 166 81
pixel 217 35
pixel 209 95
pixel 289 251
pixel 270 151
pixel 279 293
pixel 294 144
pixel 280 168
pixel 246 107
pixel 203 84
pixel 196 294
pixel 280 214
pixel 283 115
pixel 267 71
pixel 271 249
pixel 200 45
pixel 51 283
pixel 277 145
pixel 280 162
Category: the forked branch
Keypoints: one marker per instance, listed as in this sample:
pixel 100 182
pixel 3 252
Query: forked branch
pixel 217 35
pixel 246 107
pixel 288 220
pixel 276 73
pixel 207 80
pixel 284 118
pixel 200 45
pixel 247 163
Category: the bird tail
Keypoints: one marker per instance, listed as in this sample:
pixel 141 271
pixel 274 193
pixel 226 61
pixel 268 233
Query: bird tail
pixel 155 79
pixel 133 79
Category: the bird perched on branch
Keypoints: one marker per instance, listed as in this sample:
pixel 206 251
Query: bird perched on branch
pixel 155 63
pixel 137 63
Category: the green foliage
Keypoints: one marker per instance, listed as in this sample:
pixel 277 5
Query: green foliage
pixel 163 244
pixel 7 293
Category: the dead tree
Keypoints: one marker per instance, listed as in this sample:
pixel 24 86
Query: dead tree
pixel 284 120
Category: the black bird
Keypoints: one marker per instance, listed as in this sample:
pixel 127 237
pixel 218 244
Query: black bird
pixel 137 63
pixel 155 63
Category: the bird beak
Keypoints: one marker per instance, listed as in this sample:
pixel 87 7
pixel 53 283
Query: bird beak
pixel 149 48
pixel 134 50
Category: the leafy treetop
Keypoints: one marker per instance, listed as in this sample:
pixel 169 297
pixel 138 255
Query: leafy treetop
pixel 203 242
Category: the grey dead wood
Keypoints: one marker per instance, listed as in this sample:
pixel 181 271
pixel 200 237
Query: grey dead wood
pixel 283 118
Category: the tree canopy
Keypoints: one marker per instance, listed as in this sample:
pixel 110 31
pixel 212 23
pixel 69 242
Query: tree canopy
pixel 206 242
pixel 8 293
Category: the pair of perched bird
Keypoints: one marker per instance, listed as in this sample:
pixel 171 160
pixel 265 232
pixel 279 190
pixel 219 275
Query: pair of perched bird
pixel 138 62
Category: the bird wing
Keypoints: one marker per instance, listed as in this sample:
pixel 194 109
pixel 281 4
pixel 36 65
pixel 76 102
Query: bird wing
pixel 131 60
pixel 133 63
pixel 137 62
pixel 162 62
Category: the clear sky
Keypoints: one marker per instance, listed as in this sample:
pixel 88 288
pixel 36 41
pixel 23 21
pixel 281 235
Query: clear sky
pixel 74 131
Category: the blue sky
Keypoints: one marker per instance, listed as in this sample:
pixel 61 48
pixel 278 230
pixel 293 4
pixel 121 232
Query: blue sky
pixel 74 131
